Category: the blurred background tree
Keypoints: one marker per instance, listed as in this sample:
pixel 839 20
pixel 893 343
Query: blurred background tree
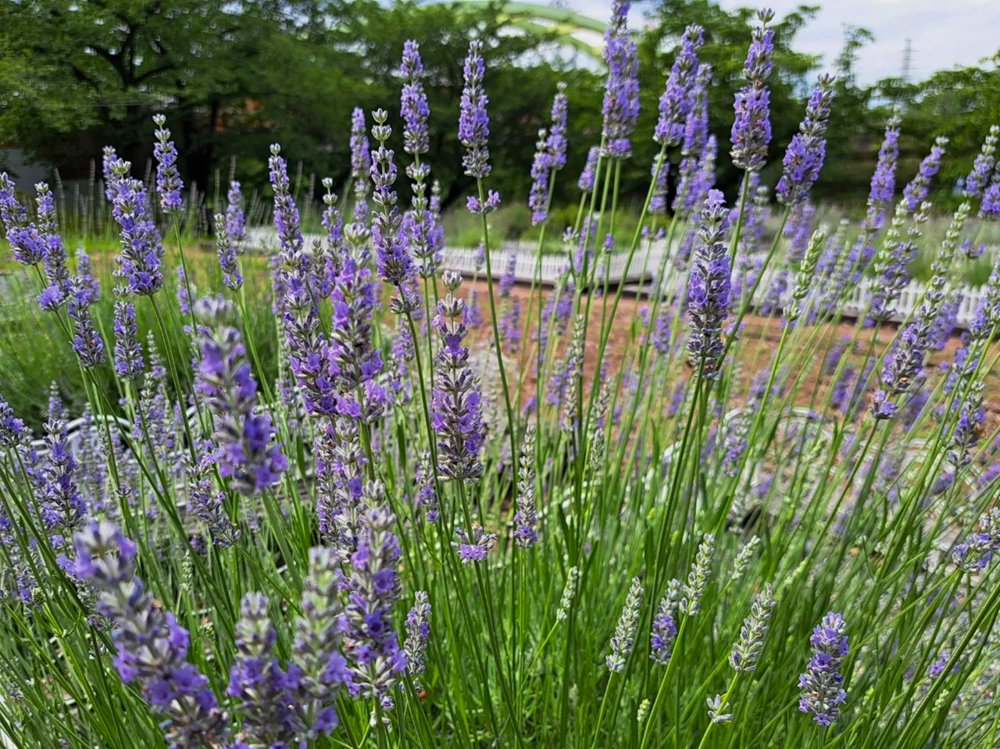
pixel 235 76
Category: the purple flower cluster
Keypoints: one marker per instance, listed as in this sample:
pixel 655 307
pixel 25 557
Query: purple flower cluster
pixel 317 669
pixel 621 87
pixel 751 132
pixel 473 546
pixel 664 628
pixel 413 107
pixel 56 272
pixel 257 682
pixel 473 120
pixel 677 100
pixel 247 454
pixel 150 645
pixel 128 353
pixel 541 166
pixel 804 157
pixel 392 254
pixel 975 552
pixel 23 236
pixel 822 683
pixel 456 404
pixel 141 248
pixel 709 287
pixel 372 585
pixel 168 178
pixel 360 163
pixel 916 191
pixel 418 629
pixel 225 246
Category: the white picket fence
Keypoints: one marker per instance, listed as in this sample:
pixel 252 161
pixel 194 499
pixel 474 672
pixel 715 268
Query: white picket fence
pixel 464 260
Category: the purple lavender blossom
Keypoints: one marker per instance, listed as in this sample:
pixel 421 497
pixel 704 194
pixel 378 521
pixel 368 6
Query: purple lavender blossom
pixel 11 428
pixel 247 454
pixel 128 353
pixel 418 629
pixel 360 163
pixel 804 157
pixel 677 99
pixel 236 223
pixel 168 178
pixel 141 249
pixel 541 167
pixel 413 105
pixel 455 399
pixel 979 176
pixel 257 682
pixel 556 142
pixel 589 173
pixel 352 362
pixel 664 628
pixel 473 120
pixel 373 586
pixel 316 668
pixel 822 683
pixel 225 246
pixel 392 255
pixel 56 272
pixel 25 241
pixel 751 132
pixel 87 342
pixel 709 287
pixel 621 88
pixel 969 427
pixel 659 171
pixel 151 646
pixel 208 504
pixel 916 191
pixel 427 498
pixel 474 546
pixel 975 551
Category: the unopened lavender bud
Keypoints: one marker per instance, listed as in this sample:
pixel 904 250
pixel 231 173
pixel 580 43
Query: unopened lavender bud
pixel 747 649
pixel 698 578
pixel 743 558
pixel 624 637
pixel 569 593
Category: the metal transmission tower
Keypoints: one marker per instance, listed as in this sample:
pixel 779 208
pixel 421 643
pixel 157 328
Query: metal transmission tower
pixel 904 74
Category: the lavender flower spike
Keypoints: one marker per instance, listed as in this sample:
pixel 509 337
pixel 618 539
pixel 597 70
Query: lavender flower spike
pixel 474 546
pixel 22 235
pixel 473 120
pixel 982 167
pixel 747 649
pixel 624 637
pixel 751 133
pixel 317 668
pixel 804 157
pixel 151 646
pixel 247 453
pixel 413 105
pixel 455 400
pixel 360 163
pixel 168 178
pixel 525 517
pixel 417 631
pixel 556 142
pixel 256 680
pixel 916 191
pixel 541 166
pixel 677 100
pixel 128 353
pixel 822 683
pixel 141 249
pixel 56 272
pixel 708 287
pixel 225 246
pixel 621 88
pixel 236 223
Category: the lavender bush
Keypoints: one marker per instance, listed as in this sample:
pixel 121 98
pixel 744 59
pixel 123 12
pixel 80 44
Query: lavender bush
pixel 430 530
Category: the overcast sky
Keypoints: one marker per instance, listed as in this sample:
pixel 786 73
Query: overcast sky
pixel 944 33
